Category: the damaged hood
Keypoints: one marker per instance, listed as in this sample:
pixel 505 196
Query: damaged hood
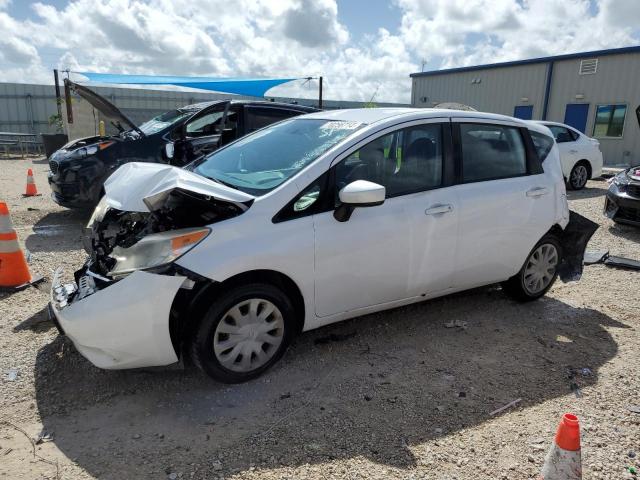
pixel 104 106
pixel 144 187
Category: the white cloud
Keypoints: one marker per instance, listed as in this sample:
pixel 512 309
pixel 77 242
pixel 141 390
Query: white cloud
pixel 302 38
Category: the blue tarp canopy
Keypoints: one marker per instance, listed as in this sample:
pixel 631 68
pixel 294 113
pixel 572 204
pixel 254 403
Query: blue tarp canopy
pixel 254 87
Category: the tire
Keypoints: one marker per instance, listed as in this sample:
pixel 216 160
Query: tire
pixel 233 326
pixel 579 176
pixel 520 286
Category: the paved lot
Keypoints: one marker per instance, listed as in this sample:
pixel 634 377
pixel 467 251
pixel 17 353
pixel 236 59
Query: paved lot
pixel 390 395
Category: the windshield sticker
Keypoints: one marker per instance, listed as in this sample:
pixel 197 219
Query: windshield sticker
pixel 340 125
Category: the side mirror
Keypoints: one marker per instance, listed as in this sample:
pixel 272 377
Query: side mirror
pixel 360 193
pixel 169 150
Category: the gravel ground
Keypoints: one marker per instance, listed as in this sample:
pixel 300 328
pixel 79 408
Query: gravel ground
pixel 390 395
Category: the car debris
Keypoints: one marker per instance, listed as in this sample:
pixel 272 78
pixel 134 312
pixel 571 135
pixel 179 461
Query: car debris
pixel 12 374
pixel 456 324
pixel 603 256
pixel 43 437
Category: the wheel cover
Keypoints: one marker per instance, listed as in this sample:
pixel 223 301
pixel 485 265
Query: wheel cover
pixel 541 268
pixel 579 176
pixel 248 335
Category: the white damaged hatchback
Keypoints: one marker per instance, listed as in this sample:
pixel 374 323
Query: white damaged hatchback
pixel 310 221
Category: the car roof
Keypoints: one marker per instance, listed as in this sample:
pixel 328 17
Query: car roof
pixel 547 122
pixel 257 103
pixel 373 115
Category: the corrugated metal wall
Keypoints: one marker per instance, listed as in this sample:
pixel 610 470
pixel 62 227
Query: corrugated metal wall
pixel 27 108
pixel 617 81
pixel 501 89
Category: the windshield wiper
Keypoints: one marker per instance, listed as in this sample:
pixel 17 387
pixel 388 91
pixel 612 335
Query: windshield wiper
pixel 226 184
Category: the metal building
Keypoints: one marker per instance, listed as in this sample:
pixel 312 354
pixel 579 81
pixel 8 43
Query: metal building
pixel 596 92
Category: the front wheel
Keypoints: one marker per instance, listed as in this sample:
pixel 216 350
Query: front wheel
pixel 538 273
pixel 245 332
pixel 578 176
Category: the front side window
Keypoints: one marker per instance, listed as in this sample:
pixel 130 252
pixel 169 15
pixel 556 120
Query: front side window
pixel 609 121
pixel 163 121
pixel 211 123
pixel 491 152
pixel 404 161
pixel 259 162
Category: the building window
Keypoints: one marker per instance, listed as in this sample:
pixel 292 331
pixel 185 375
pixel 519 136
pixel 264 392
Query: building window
pixel 609 121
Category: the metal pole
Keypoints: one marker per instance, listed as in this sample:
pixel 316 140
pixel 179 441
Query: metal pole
pixel 58 98
pixel 320 94
pixel 67 100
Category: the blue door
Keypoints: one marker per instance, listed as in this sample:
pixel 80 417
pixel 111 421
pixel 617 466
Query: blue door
pixel 576 115
pixel 524 112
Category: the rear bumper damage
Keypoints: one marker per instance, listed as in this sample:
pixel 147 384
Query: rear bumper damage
pixel 119 324
pixel 574 239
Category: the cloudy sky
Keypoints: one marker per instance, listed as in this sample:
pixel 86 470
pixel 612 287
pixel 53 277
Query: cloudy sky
pixel 361 47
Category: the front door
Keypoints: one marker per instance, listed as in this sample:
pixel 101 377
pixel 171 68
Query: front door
pixel 205 132
pixel 400 249
pixel 576 115
pixel 506 202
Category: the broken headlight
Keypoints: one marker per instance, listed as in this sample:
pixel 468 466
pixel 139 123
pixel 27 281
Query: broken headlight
pixel 156 249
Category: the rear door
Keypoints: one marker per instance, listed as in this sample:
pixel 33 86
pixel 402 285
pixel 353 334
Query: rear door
pixel 568 147
pixel 506 202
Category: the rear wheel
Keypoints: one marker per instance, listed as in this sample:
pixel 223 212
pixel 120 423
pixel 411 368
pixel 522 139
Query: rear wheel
pixel 538 273
pixel 579 176
pixel 247 330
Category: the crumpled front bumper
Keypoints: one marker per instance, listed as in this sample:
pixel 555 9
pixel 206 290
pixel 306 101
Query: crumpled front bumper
pixel 123 325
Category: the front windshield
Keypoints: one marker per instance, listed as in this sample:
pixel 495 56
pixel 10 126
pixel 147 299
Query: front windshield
pixel 260 162
pixel 163 121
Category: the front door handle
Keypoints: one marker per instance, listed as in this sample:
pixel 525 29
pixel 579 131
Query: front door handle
pixel 537 192
pixel 438 209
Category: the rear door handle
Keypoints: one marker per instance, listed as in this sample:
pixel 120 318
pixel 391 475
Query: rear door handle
pixel 438 209
pixel 537 192
pixel 573 151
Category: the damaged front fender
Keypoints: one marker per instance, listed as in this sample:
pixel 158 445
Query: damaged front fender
pixel 574 239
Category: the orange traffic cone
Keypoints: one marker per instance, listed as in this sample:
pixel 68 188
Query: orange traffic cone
pixel 14 272
pixel 32 191
pixel 563 461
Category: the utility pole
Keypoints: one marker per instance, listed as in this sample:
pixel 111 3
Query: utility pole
pixel 58 98
pixel 320 94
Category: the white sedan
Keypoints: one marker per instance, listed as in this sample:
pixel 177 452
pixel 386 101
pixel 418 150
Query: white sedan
pixel 311 221
pixel 580 155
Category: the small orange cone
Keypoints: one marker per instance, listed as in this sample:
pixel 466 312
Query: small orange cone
pixel 32 191
pixel 563 461
pixel 14 272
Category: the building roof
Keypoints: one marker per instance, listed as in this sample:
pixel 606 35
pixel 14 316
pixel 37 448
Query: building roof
pixel 569 56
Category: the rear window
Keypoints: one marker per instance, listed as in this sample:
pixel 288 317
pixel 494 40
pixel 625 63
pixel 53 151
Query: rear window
pixel 542 143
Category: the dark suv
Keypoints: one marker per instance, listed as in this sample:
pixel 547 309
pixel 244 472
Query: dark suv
pixel 177 137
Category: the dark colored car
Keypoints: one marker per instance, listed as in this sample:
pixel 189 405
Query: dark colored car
pixel 177 137
pixel 622 204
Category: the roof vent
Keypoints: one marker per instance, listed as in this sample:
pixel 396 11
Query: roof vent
pixel 588 66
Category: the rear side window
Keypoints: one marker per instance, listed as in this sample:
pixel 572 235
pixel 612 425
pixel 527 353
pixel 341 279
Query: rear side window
pixel 261 117
pixel 562 134
pixel 542 143
pixel 491 152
